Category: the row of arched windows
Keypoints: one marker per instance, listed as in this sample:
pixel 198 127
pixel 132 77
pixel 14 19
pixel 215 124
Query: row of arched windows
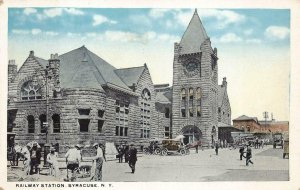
pixel 191 101
pixel 43 119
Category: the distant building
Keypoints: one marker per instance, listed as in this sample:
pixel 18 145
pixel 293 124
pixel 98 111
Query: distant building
pixel 251 124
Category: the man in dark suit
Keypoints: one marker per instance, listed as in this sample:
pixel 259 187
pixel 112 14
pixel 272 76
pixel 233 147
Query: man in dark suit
pixel 35 156
pixel 132 157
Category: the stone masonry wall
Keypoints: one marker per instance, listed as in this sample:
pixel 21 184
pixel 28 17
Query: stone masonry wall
pixel 208 117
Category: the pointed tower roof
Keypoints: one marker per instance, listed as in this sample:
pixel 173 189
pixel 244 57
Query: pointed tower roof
pixel 194 36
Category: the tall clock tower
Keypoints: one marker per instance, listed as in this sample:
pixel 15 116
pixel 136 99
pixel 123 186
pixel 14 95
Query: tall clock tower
pixel 195 81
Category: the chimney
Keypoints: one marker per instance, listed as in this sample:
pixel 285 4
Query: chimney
pixel 31 54
pixel 53 72
pixel 12 70
pixel 224 83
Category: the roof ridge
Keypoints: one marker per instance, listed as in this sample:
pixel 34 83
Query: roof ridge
pixel 88 53
pixel 130 67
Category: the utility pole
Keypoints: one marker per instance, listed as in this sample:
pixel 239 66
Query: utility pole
pixel 266 116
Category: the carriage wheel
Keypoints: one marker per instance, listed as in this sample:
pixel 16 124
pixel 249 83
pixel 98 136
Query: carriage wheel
pixel 182 152
pixel 164 152
pixel 157 151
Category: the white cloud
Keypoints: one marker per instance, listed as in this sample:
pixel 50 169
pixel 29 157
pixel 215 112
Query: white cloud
pixel 74 11
pixel 140 19
pixel 158 13
pixel 100 19
pixel 277 32
pixel 73 35
pixel 168 38
pixel 53 12
pixel 224 17
pixel 17 31
pixel 230 37
pixel 28 11
pixel 151 36
pixel 122 36
pixel 253 41
pixel 51 33
pixel 41 16
pixel 36 31
pixel 91 34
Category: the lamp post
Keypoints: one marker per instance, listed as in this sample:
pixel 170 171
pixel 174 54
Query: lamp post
pixel 46 124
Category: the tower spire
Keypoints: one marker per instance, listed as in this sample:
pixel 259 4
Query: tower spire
pixel 194 35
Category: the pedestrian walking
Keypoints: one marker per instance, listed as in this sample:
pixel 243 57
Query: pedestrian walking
pixel 98 161
pixel 241 150
pixel 35 157
pixel 53 163
pixel 256 143
pixel 248 155
pixel 126 152
pixel 217 148
pixel 121 153
pixel 132 157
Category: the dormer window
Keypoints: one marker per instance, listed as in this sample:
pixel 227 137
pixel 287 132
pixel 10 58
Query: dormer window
pixel 30 91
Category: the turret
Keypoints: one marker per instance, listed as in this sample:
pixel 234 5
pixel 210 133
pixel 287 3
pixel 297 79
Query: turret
pixel 224 83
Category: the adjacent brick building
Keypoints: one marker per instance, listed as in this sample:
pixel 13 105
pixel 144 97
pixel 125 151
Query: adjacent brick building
pixel 251 124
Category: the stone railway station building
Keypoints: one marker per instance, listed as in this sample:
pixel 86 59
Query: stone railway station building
pixel 84 99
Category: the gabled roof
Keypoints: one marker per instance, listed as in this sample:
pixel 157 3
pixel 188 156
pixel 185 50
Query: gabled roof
pixel 221 94
pixel 130 75
pixel 83 68
pixel 244 117
pixel 194 36
pixel 43 62
pixel 163 97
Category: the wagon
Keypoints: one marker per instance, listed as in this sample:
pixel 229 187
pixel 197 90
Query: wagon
pixel 170 146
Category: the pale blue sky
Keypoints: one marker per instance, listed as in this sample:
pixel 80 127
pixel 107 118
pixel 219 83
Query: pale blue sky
pixel 253 45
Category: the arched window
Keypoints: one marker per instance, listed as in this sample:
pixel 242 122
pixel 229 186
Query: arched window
pixel 145 114
pixel 183 103
pixel 191 102
pixel 198 101
pixel 248 129
pixel 30 120
pixel 56 123
pixel 30 91
pixel 198 92
pixel 43 119
pixel 191 93
pixel 183 94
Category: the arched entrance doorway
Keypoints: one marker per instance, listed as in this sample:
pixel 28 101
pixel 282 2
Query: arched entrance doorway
pixel 191 134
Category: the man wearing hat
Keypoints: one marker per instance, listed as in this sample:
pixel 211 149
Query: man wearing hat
pixel 132 157
pixel 248 155
pixel 99 161
pixel 73 158
pixel 35 157
pixel 53 163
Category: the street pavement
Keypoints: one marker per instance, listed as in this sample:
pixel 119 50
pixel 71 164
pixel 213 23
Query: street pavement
pixel 204 166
